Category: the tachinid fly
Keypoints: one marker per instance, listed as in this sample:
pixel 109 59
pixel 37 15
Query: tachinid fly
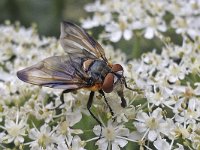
pixel 84 66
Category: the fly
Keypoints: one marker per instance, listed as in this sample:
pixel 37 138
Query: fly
pixel 83 66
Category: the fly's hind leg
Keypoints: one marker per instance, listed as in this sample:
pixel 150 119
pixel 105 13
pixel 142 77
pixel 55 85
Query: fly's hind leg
pixel 62 95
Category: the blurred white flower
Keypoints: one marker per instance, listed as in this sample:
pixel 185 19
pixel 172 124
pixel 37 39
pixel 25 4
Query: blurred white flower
pixel 185 26
pixel 16 131
pixel 97 20
pixel 153 25
pixel 119 29
pixel 97 6
pixel 149 17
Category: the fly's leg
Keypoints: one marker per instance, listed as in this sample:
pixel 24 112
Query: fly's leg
pixel 127 85
pixel 140 91
pixel 89 104
pixel 123 101
pixel 62 95
pixel 102 93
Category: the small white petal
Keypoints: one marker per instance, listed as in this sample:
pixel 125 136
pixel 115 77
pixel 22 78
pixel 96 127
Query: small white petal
pixel 162 28
pixel 152 135
pixel 161 144
pixel 102 143
pixel 20 139
pixel 115 36
pixel 33 134
pixel 141 116
pixel 115 146
pixel 141 127
pixel 157 114
pixel 128 34
pixel 121 142
pixel 122 132
pixel 149 33
pixel 173 79
pixel 74 117
pixel 136 136
pixel 97 130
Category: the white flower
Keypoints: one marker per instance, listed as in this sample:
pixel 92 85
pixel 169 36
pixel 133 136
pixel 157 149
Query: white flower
pixel 112 136
pixel 160 96
pixel 187 112
pixel 152 125
pixel 176 72
pixel 183 131
pixel 45 138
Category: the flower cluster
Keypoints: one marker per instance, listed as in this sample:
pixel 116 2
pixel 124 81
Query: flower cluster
pixel 124 18
pixel 28 118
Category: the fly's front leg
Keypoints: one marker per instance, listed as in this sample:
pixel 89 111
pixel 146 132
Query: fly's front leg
pixel 102 93
pixel 125 84
pixel 123 101
pixel 136 90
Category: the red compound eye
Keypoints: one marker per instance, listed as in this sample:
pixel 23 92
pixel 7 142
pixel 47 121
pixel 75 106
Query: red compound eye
pixel 117 67
pixel 108 83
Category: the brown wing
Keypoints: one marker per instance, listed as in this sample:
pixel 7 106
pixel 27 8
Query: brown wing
pixel 75 40
pixel 55 72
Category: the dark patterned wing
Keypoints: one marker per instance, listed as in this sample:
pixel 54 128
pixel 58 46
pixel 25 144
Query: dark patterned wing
pixel 75 40
pixel 55 72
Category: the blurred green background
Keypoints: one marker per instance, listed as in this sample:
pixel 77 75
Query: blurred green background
pixel 47 14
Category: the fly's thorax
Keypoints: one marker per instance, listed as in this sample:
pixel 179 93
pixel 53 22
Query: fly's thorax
pixel 96 69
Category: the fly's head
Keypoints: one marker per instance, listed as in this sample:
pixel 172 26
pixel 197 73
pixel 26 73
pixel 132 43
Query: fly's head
pixel 114 80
